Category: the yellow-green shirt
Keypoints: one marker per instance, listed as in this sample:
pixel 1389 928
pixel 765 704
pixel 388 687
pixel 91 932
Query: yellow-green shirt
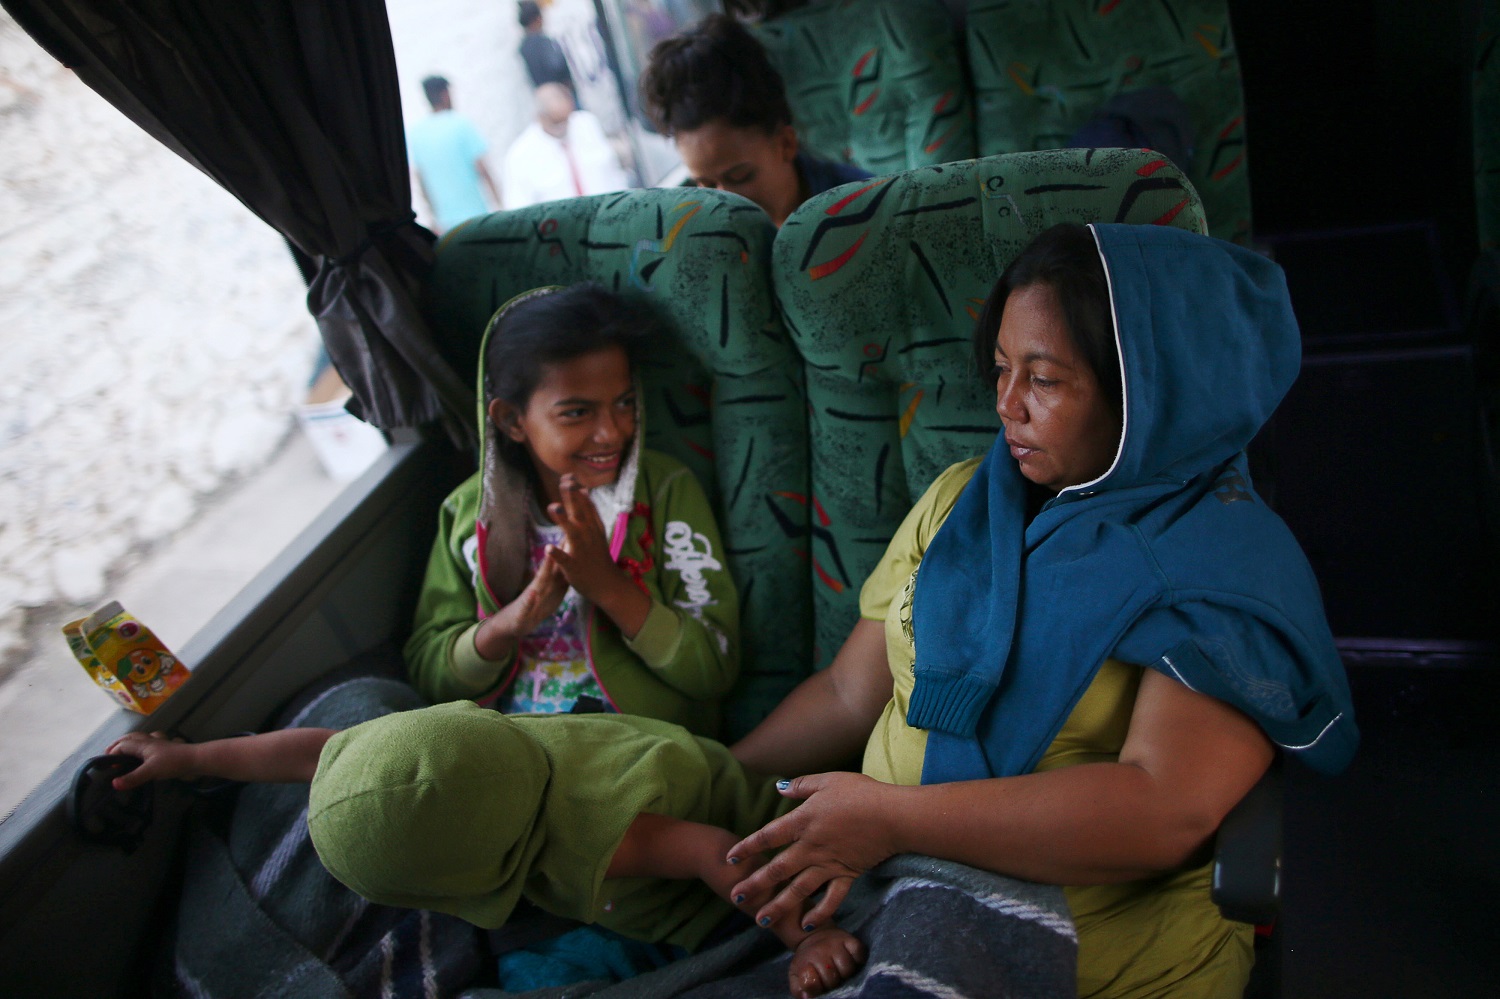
pixel 1161 936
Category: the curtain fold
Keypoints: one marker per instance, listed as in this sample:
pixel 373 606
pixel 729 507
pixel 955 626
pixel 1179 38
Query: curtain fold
pixel 293 107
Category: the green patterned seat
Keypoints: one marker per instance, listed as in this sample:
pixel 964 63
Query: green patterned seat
pixel 725 396
pixel 880 283
pixel 874 83
pixel 1041 67
pixel 1487 126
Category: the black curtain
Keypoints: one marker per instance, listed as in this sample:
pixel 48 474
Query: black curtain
pixel 292 106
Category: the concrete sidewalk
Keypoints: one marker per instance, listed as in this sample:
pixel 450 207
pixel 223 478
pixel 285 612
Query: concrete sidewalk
pixel 49 705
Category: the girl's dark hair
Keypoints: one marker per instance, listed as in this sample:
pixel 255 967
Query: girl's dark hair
pixel 714 70
pixel 1066 259
pixel 556 327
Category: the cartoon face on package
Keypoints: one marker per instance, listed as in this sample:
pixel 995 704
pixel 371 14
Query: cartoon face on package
pixel 126 658
pixel 145 671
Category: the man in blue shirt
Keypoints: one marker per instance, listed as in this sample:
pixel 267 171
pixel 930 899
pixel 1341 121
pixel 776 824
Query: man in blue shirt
pixel 447 154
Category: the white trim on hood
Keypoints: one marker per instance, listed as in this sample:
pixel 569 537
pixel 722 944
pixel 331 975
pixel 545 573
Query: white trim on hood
pixel 1114 318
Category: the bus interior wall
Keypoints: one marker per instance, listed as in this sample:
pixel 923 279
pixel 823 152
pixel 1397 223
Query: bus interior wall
pixel 1359 113
pixel 1359 122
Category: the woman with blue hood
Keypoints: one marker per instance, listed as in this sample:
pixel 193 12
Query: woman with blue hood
pixel 1080 652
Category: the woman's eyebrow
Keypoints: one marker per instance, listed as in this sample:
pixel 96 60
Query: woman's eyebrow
pixel 573 401
pixel 1036 355
pixel 1041 355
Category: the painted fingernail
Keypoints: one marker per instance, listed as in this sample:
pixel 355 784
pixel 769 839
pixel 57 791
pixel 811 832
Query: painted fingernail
pixel 734 860
pixel 765 920
pixel 738 899
pixel 782 785
pixel 808 928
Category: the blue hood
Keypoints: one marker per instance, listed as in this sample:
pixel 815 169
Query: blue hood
pixel 1208 347
pixel 1168 560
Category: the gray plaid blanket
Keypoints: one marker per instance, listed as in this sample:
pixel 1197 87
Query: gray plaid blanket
pixel 932 928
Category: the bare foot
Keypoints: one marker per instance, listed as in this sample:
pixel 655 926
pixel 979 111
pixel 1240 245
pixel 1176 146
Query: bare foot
pixel 824 960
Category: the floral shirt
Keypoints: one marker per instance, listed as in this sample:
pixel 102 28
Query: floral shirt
pixel 554 669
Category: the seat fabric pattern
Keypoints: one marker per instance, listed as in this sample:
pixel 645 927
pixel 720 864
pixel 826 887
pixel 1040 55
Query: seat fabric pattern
pixel 880 283
pixel 724 395
pixel 1487 126
pixel 874 83
pixel 1041 67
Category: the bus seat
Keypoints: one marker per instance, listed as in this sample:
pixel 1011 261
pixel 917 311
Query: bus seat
pixel 872 83
pixel 726 397
pixel 1041 67
pixel 879 284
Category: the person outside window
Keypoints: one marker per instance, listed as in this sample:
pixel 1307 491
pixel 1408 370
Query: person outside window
pixel 447 155
pixel 564 153
pixel 545 61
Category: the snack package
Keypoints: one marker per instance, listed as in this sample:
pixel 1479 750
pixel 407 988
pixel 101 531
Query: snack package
pixel 73 632
pixel 125 657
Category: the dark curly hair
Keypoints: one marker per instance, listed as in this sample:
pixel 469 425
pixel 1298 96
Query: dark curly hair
pixel 714 70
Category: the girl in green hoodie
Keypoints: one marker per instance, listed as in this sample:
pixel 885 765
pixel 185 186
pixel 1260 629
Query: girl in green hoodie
pixel 574 564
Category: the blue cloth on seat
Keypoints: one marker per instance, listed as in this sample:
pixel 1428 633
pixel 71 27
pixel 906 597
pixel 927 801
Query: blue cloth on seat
pixel 1149 118
pixel 821 175
pixel 589 953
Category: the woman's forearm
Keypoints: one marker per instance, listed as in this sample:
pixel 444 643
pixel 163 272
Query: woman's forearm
pixel 801 735
pixel 1096 823
pixel 824 723
pixel 1187 760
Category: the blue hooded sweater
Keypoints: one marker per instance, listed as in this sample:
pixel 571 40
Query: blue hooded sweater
pixel 1168 560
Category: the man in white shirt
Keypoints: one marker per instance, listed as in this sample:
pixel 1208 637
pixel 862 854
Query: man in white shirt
pixel 563 154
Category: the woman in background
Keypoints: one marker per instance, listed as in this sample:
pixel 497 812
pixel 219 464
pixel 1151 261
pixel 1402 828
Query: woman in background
pixel 715 93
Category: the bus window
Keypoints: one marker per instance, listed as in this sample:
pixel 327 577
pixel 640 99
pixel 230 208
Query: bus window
pixel 158 356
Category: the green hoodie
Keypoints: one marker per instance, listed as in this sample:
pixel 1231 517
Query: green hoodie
pixel 662 531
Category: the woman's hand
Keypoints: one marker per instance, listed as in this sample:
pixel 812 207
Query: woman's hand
pixel 836 834
pixel 584 560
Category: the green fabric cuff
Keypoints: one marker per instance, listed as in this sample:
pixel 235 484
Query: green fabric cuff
pixel 657 641
pixel 471 669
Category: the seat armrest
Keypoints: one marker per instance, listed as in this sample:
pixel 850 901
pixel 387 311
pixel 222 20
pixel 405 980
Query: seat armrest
pixel 1247 854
